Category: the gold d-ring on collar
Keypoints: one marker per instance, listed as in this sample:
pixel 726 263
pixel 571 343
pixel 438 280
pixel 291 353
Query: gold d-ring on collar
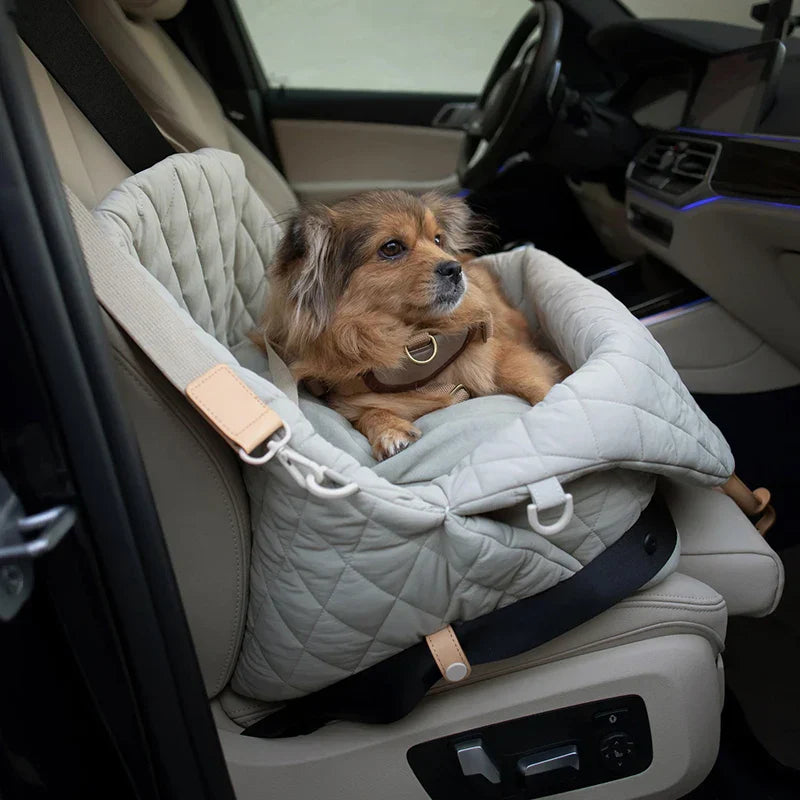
pixel 432 356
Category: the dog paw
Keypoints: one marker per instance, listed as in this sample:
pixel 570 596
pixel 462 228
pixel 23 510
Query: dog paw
pixel 392 440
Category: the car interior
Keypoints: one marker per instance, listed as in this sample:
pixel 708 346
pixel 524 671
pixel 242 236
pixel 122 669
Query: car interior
pixel 656 156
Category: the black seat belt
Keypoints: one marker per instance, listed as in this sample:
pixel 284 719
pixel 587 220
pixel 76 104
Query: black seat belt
pixel 59 39
pixel 389 690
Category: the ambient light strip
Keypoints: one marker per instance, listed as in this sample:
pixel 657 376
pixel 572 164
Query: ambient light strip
pixel 751 201
pixel 671 313
pixel 763 137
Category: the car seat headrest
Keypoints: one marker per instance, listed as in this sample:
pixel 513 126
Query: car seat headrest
pixel 152 9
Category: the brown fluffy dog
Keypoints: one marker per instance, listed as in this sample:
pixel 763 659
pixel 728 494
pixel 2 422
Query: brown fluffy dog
pixel 352 284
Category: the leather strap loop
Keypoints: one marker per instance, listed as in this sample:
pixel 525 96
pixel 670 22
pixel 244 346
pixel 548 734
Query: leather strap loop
pixel 232 408
pixel 448 655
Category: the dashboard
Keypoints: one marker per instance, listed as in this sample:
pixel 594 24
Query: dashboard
pixel 672 80
pixel 733 92
pixel 660 100
pixel 714 190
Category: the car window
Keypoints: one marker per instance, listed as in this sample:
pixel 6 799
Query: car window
pixel 734 12
pixel 380 45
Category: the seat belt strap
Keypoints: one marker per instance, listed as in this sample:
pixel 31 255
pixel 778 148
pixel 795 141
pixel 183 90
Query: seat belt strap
pixel 59 39
pixel 136 303
pixel 281 374
pixel 143 312
pixel 392 688
pixel 140 306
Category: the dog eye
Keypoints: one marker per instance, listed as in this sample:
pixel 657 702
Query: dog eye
pixel 392 249
pixel 438 239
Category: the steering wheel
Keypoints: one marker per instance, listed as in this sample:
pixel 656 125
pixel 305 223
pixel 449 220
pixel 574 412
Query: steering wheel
pixel 513 108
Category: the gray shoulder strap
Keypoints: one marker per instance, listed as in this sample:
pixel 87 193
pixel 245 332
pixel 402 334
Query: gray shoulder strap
pixel 136 305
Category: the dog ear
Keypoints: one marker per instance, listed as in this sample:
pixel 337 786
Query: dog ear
pixel 461 228
pixel 306 261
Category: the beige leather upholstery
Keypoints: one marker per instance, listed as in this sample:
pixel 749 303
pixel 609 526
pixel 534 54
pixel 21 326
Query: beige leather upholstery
pixel 153 9
pixel 679 678
pixel 172 91
pixel 720 547
pixel 677 605
pixel 202 505
pixel 326 160
pixel 88 165
pixel 732 360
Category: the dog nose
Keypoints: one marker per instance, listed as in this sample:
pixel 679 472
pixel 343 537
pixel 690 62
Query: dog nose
pixel 449 269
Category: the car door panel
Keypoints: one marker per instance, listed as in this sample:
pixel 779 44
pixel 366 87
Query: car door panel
pixel 325 159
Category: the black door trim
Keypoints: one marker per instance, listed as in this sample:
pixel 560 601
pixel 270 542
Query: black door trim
pixel 342 105
pixel 46 268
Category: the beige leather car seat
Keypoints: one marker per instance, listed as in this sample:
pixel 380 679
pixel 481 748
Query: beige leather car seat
pixel 663 643
pixel 172 91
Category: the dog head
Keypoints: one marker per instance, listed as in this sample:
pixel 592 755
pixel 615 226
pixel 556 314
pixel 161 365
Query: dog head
pixel 385 251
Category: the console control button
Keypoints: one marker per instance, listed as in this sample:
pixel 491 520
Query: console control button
pixel 550 760
pixel 474 760
pixel 618 750
pixel 612 719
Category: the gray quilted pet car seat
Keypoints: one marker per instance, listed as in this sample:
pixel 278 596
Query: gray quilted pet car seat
pixel 355 561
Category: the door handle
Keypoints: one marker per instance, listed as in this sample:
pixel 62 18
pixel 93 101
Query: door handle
pixel 53 524
pixel 22 539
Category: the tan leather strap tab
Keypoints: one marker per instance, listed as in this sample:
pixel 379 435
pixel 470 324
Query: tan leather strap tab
pixel 751 503
pixel 448 655
pixel 766 521
pixel 233 409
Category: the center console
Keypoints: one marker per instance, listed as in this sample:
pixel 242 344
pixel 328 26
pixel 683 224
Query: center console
pixel 648 287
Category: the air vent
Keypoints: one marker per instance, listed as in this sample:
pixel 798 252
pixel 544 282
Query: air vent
pixel 655 153
pixel 695 161
pixel 674 166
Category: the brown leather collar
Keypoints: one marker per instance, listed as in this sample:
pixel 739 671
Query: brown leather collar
pixel 426 356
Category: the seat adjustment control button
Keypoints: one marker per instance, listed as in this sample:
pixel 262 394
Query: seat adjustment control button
pixel 612 719
pixel 475 761
pixel 618 750
pixel 549 760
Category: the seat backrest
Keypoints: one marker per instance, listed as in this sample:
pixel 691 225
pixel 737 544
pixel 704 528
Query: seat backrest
pixel 194 475
pixel 172 91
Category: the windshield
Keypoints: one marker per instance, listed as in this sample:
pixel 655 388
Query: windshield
pixel 734 12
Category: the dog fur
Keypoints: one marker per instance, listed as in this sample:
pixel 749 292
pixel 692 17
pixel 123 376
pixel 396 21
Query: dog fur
pixel 339 306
